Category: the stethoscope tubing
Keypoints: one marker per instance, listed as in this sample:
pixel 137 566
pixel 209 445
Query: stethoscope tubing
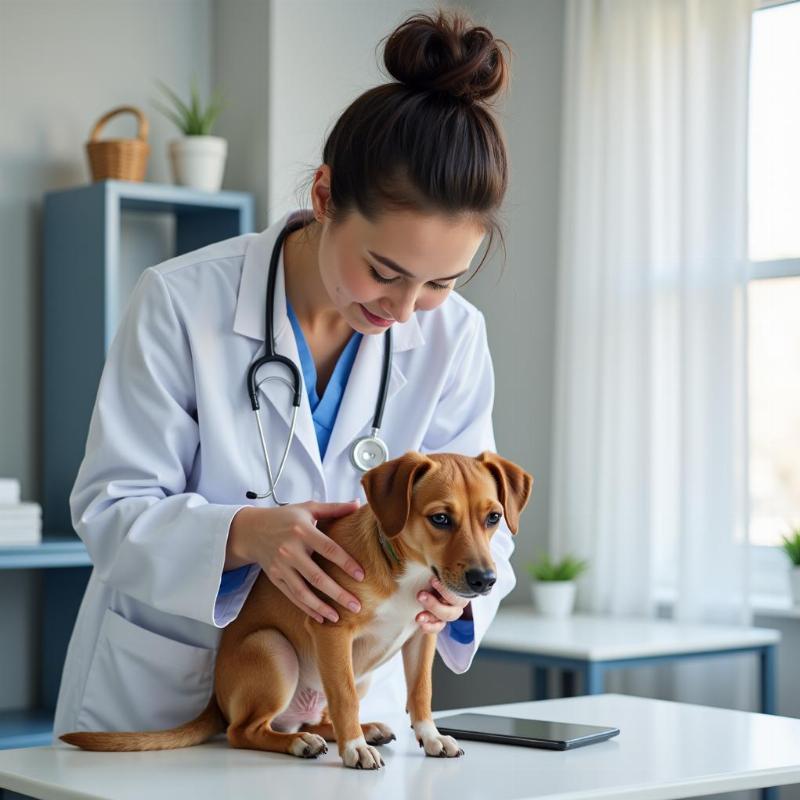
pixel 271 357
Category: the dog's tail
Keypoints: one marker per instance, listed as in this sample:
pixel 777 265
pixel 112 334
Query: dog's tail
pixel 199 730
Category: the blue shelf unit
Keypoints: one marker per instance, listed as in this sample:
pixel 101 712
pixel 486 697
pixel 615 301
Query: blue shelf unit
pixel 81 288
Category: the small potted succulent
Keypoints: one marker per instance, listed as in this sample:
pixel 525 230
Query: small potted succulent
pixel 198 159
pixel 553 587
pixel 791 546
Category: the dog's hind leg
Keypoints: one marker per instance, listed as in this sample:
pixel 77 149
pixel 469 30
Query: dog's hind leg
pixel 255 683
pixel 374 732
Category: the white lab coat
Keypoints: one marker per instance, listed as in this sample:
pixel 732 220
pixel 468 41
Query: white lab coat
pixel 173 446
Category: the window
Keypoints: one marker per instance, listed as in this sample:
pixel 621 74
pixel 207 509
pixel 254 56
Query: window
pixel 774 402
pixel 774 287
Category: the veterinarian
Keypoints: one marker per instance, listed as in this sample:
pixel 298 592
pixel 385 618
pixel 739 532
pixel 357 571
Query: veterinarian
pixel 410 184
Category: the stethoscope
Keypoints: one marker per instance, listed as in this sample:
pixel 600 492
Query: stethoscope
pixel 366 452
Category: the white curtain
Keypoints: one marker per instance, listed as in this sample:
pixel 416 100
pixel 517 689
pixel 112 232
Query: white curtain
pixel 650 480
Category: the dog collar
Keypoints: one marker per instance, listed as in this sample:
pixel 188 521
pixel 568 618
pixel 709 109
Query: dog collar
pixel 387 546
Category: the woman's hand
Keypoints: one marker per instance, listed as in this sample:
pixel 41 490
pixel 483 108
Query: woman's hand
pixel 441 608
pixel 282 539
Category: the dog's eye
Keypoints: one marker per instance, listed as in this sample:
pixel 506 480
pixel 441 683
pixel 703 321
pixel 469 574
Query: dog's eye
pixel 494 518
pixel 440 520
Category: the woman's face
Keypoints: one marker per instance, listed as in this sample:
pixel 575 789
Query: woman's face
pixel 363 265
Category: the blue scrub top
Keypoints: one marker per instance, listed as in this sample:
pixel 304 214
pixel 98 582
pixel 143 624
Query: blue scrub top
pixel 323 413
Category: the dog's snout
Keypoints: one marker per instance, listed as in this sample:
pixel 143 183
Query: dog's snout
pixel 480 580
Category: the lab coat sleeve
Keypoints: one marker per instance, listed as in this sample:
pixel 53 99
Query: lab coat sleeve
pixel 462 423
pixel 146 535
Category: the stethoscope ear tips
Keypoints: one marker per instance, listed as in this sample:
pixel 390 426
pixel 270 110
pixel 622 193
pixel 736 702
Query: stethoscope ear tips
pixel 250 495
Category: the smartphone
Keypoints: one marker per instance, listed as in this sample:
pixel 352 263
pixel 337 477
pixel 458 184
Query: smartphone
pixel 525 732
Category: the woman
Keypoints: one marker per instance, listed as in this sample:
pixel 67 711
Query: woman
pixel 412 176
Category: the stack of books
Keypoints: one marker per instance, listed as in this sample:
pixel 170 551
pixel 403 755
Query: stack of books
pixel 20 523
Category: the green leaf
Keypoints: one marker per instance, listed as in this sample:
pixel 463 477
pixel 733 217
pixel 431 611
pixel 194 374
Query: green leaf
pixel 197 127
pixel 176 100
pixel 212 113
pixel 192 120
pixel 791 545
pixel 565 570
pixel 170 114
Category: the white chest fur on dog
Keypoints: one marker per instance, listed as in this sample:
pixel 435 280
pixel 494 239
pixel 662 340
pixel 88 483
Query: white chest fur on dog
pixel 393 624
pixel 394 620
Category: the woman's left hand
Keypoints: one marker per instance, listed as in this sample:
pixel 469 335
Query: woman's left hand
pixel 441 609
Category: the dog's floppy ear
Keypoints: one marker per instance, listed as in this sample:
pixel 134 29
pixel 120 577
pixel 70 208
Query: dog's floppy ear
pixel 388 488
pixel 513 485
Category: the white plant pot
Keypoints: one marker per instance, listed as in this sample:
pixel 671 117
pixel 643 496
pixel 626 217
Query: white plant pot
pixel 794 578
pixel 554 599
pixel 198 161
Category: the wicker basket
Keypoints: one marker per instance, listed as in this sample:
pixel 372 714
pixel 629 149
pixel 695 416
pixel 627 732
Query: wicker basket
pixel 121 159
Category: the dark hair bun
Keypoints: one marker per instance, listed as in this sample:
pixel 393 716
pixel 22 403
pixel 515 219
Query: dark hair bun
pixel 447 53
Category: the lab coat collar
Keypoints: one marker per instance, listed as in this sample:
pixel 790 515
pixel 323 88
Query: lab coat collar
pixel 357 408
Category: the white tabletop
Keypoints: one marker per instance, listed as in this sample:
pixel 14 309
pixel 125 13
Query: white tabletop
pixel 596 638
pixel 664 750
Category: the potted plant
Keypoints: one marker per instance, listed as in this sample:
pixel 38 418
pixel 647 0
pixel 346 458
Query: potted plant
pixel 553 587
pixel 198 159
pixel 791 545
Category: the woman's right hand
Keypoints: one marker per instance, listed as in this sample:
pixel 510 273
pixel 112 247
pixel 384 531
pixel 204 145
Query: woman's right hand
pixel 281 539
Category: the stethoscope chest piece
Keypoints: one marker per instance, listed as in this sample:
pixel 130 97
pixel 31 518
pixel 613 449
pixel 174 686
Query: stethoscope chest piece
pixel 368 452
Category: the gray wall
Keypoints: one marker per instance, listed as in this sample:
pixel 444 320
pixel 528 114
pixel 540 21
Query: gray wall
pixel 243 34
pixel 62 66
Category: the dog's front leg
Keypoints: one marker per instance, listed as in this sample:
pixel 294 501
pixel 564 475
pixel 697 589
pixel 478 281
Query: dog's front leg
pixel 334 655
pixel 418 655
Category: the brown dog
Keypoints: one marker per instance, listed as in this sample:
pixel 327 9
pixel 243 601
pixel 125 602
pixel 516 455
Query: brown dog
pixel 285 683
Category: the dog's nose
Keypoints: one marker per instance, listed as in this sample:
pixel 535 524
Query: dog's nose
pixel 480 580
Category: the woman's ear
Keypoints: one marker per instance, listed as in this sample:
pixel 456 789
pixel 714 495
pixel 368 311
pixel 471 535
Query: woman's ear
pixel 513 486
pixel 389 487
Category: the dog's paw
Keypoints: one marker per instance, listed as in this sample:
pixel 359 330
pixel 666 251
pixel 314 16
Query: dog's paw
pixel 308 745
pixel 377 733
pixel 358 754
pixel 434 743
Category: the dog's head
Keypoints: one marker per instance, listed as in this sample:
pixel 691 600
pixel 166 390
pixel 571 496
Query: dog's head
pixel 446 507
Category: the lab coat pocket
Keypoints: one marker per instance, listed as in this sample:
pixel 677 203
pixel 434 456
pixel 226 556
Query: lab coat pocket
pixel 139 680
